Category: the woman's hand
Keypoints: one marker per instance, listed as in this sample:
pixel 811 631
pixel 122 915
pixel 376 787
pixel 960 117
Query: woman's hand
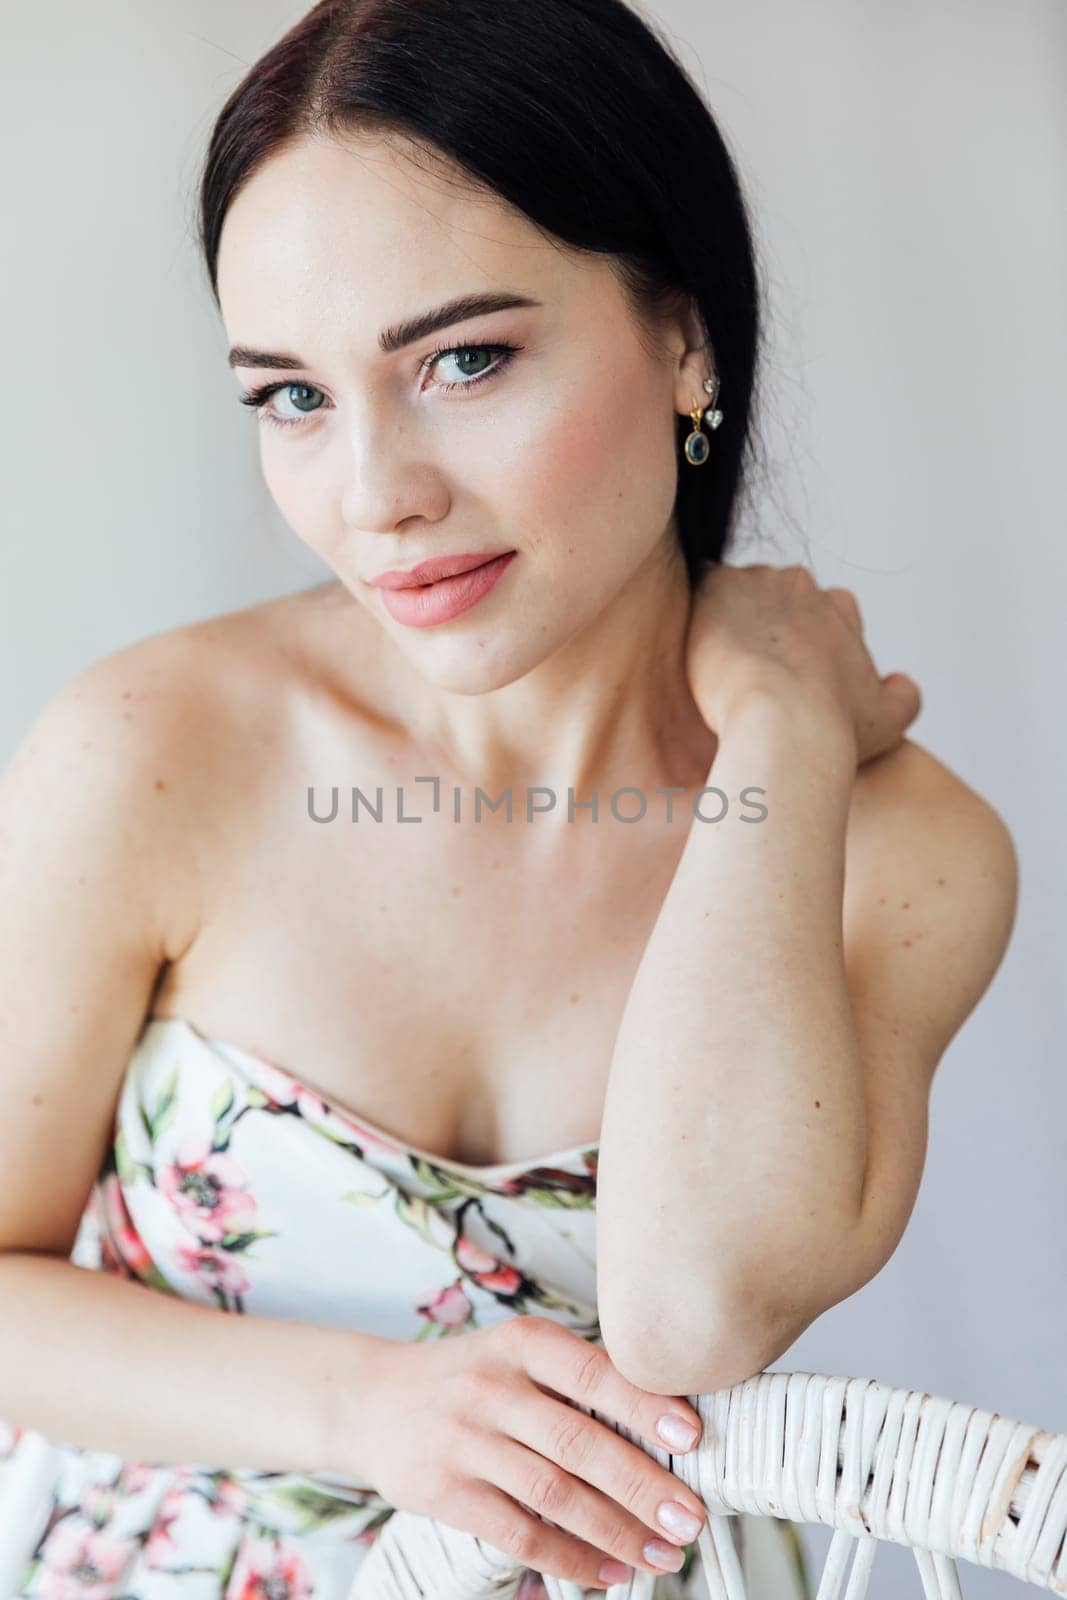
pixel 773 628
pixel 477 1431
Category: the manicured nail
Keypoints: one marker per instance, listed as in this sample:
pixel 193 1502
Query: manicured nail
pixel 676 1432
pixel 661 1554
pixel 676 1519
pixel 614 1572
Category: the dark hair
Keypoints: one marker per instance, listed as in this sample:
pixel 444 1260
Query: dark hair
pixel 576 113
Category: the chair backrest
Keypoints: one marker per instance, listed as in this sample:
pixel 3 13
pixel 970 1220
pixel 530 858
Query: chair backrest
pixel 948 1480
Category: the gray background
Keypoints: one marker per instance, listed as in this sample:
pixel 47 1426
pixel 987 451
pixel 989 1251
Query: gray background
pixel 906 167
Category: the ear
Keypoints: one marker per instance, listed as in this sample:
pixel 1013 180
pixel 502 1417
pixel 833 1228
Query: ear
pixel 696 359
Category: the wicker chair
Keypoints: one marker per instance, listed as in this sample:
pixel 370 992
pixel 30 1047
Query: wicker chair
pixel 947 1480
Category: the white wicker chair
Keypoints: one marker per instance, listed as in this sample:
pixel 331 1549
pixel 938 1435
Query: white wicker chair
pixel 948 1480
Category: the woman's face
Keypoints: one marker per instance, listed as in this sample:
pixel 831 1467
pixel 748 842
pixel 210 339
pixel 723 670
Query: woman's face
pixel 562 450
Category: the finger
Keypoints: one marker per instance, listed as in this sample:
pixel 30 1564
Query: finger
pixel 904 696
pixel 801 579
pixel 577 1370
pixel 898 706
pixel 573 1505
pixel 491 1514
pixel 591 1451
pixel 848 606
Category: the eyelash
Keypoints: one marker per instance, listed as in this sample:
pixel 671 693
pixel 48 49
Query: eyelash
pixel 259 397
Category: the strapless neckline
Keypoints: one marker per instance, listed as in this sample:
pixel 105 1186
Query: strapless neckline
pixel 257 1067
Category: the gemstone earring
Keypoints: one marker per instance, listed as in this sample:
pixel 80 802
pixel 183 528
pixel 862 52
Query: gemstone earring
pixel 697 444
pixel 711 385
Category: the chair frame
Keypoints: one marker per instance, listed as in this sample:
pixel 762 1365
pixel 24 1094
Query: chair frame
pixel 950 1481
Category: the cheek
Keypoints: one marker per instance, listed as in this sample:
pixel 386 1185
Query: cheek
pixel 580 445
pixel 301 495
pixel 602 470
pixel 568 463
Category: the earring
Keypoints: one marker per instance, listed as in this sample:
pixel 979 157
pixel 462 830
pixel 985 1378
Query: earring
pixel 697 443
pixel 714 416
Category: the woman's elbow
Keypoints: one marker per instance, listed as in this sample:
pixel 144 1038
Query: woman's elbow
pixel 666 1357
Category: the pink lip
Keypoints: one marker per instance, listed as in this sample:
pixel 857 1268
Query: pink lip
pixel 427 604
pixel 434 570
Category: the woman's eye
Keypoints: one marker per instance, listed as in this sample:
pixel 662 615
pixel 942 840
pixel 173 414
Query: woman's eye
pixel 301 395
pixel 470 363
pixel 474 364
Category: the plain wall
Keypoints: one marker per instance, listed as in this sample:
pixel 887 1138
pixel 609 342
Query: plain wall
pixel 906 166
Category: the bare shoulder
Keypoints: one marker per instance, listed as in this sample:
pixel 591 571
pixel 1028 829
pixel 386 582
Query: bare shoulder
pixel 153 704
pixel 153 739
pixel 109 808
pixel 908 790
pixel 931 883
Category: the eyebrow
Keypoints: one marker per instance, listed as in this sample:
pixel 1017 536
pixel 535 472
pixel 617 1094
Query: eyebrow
pixel 402 333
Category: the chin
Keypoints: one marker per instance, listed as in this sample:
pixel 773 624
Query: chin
pixel 475 658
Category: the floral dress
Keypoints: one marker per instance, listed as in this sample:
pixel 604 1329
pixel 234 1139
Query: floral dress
pixel 230 1182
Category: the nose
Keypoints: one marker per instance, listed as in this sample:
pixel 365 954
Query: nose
pixel 389 479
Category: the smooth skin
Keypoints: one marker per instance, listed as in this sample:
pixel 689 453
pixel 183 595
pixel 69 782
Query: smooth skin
pixel 156 857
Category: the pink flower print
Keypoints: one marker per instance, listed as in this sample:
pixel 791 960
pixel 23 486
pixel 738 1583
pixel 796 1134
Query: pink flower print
pixel 219 1269
pixel 505 1280
pixel 269 1569
pixel 110 1261
pixel 450 1307
pixel 341 1124
pixel 485 1269
pixel 472 1258
pixel 81 1562
pixel 206 1188
pixel 97 1502
pixel 136 1475
pixel 160 1546
pixel 119 1232
pixel 229 1496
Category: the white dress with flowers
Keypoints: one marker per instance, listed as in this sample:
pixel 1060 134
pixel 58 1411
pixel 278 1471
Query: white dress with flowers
pixel 231 1183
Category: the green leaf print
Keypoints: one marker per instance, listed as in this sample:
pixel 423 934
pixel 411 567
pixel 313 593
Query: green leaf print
pixel 500 1231
pixel 165 1108
pixel 154 1279
pixel 418 1214
pixel 448 1185
pixel 241 1241
pixel 558 1199
pixel 126 1167
pixel 221 1100
pixel 316 1506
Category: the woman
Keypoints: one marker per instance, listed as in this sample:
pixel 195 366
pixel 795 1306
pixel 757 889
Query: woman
pixel 487 280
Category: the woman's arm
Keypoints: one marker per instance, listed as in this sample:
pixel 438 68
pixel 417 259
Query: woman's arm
pixel 765 1119
pixel 735 1103
pixel 94 1360
pixel 100 813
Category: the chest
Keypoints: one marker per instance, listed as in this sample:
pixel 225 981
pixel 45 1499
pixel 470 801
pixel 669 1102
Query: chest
pixel 459 984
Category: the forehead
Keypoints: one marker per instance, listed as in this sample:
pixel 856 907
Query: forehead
pixel 369 227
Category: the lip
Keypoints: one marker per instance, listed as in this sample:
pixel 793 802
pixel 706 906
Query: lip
pixel 426 604
pixel 436 568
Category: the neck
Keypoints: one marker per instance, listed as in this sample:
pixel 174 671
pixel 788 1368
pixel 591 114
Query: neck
pixel 610 708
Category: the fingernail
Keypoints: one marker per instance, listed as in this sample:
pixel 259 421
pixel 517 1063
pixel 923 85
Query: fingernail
pixel 676 1519
pixel 660 1554
pixel 614 1572
pixel 676 1432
